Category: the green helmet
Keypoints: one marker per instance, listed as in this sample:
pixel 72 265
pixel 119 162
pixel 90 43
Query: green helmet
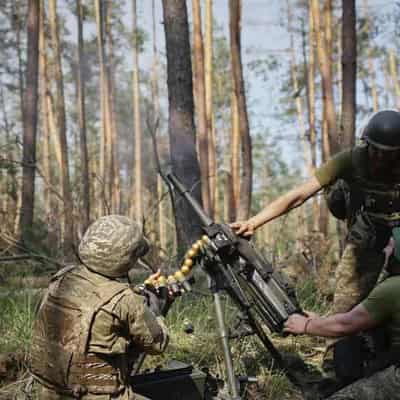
pixel 112 245
pixel 382 130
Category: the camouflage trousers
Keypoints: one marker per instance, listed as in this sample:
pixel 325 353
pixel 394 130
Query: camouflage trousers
pixel 356 275
pixel 384 385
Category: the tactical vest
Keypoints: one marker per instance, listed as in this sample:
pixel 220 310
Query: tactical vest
pixel 59 350
pixel 379 201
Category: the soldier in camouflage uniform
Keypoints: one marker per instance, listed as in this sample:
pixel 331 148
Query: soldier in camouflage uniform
pixel 91 326
pixel 369 177
pixel 380 308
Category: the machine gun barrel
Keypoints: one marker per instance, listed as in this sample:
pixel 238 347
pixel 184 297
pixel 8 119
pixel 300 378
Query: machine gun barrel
pixel 176 183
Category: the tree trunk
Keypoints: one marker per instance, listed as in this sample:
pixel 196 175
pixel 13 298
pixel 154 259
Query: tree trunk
pixel 371 67
pixel 309 79
pixel 229 214
pixel 394 75
pixel 324 212
pixel 298 99
pixel 115 181
pixel 82 122
pixel 181 124
pixel 235 153
pixel 53 128
pixel 200 106
pixel 372 74
pixel 323 45
pixel 30 125
pixel 212 155
pixel 137 193
pixel 105 142
pixel 339 80
pixel 390 100
pixel 62 131
pixel 44 113
pixel 9 207
pixel 349 62
pixel 16 15
pixel 238 84
pixel 162 231
pixel 50 202
pixel 116 178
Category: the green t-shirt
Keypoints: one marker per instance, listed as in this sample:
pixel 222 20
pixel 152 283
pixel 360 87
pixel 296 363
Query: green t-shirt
pixel 338 167
pixel 383 306
pixel 342 166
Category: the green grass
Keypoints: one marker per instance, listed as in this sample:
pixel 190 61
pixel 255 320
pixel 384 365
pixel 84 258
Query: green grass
pixel 17 311
pixel 202 348
pixel 310 298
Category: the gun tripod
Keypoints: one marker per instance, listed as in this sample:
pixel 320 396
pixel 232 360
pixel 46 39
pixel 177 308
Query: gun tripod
pixel 231 378
pixel 253 326
pixel 233 382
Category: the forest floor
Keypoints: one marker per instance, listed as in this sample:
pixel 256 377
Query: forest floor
pixel 20 293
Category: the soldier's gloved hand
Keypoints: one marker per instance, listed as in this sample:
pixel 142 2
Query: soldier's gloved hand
pixel 159 301
pixel 153 301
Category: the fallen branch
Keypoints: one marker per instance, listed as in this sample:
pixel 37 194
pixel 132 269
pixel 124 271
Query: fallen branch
pixel 15 258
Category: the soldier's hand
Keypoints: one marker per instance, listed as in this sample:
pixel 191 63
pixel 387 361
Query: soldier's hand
pixel 243 228
pixel 296 324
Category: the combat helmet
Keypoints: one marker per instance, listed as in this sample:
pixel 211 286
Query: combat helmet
pixel 112 245
pixel 382 130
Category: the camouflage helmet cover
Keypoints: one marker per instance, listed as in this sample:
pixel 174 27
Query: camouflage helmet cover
pixel 112 245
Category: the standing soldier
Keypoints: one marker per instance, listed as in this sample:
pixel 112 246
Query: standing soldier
pixel 372 174
pixel 91 326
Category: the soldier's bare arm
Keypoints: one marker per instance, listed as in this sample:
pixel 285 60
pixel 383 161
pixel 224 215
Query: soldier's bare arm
pixel 278 207
pixel 336 325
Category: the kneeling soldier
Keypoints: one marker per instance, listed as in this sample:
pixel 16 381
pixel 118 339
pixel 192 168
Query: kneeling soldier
pixel 91 326
pixel 380 308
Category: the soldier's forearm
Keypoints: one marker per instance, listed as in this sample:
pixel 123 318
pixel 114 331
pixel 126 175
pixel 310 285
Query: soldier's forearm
pixel 332 326
pixel 287 202
pixel 344 324
pixel 274 210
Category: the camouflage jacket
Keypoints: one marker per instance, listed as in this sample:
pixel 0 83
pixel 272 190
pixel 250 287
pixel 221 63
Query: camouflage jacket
pixel 89 330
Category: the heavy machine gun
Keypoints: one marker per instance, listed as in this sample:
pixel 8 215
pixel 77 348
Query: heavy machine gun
pixel 265 300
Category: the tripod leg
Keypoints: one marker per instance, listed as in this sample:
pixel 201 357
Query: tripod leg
pixel 232 384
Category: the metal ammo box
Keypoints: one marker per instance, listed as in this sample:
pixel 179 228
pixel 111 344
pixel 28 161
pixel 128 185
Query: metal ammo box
pixel 177 381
